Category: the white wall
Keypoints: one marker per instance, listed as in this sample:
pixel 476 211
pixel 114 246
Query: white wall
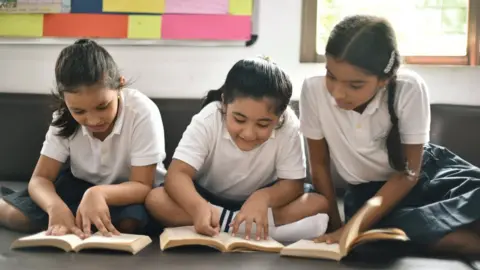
pixel 190 71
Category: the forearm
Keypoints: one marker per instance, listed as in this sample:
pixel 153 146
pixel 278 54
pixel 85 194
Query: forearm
pixel 282 192
pixel 125 193
pixel 323 184
pixel 43 193
pixel 392 192
pixel 181 189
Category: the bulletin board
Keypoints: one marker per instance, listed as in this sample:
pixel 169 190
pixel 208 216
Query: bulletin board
pixel 130 22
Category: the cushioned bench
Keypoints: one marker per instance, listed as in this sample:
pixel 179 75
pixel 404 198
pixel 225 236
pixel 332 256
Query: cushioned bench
pixel 25 118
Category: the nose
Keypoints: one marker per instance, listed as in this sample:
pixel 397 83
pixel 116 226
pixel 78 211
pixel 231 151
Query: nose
pixel 338 92
pixel 248 134
pixel 93 120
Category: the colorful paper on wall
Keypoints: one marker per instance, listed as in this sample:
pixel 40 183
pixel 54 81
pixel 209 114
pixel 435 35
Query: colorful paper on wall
pixel 196 6
pixel 144 27
pixel 134 6
pixel 206 27
pixel 85 25
pixel 240 7
pixel 35 6
pixel 21 25
pixel 87 6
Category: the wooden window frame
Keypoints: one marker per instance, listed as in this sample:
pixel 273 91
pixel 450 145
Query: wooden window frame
pixel 308 52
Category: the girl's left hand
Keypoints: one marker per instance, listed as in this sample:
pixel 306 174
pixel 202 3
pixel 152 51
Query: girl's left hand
pixel 330 238
pixel 254 210
pixel 93 209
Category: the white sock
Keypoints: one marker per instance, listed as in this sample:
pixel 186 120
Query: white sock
pixel 227 216
pixel 307 228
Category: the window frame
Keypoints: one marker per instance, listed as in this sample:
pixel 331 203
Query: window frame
pixel 308 52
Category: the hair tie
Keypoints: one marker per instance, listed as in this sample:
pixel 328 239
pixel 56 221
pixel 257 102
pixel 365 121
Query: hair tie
pixel 390 63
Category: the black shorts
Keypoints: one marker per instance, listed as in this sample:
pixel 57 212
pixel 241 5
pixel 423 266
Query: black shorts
pixel 71 190
pixel 230 204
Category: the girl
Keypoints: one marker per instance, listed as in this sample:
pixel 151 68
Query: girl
pixel 242 152
pixel 113 137
pixel 374 123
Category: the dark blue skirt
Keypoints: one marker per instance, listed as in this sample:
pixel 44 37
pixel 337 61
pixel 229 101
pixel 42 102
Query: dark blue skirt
pixel 443 200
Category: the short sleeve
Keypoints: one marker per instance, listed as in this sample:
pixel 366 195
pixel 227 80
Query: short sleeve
pixel 413 111
pixel 290 161
pixel 148 139
pixel 309 119
pixel 55 146
pixel 193 147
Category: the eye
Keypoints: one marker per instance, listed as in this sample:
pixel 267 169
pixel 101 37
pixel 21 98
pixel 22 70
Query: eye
pixel 356 86
pixel 263 125
pixel 77 112
pixel 103 107
pixel 238 120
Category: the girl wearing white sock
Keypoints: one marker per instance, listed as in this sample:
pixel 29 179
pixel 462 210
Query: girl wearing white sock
pixel 240 165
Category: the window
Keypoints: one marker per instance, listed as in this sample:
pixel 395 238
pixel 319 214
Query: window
pixel 428 31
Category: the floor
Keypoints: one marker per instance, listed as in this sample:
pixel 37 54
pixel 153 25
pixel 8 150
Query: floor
pixel 204 258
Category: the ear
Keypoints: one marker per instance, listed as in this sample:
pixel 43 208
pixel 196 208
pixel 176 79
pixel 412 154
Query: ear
pixel 383 83
pixel 122 81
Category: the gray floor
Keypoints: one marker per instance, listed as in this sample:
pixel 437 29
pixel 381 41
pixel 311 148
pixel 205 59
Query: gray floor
pixel 203 258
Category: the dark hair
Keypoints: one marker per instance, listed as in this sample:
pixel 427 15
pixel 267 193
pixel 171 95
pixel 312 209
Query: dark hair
pixel 84 63
pixel 369 42
pixel 255 78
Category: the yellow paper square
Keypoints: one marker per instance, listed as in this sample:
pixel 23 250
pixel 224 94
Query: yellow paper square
pixel 144 27
pixel 21 25
pixel 134 6
pixel 240 7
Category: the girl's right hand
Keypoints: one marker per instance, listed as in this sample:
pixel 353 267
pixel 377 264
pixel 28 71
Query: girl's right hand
pixel 207 220
pixel 61 221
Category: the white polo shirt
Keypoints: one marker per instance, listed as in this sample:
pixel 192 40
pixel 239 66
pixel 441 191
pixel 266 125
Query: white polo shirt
pixel 137 139
pixel 224 169
pixel 357 142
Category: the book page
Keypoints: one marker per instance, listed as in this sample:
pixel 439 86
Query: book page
pixel 72 239
pixel 114 239
pixel 310 245
pixel 240 242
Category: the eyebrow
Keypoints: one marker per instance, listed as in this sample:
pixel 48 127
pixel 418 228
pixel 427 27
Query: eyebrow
pixel 261 119
pixel 99 105
pixel 352 81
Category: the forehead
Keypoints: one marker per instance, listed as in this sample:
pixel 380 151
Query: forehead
pixel 345 71
pixel 88 95
pixel 253 108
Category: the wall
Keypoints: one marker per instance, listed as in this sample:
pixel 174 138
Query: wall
pixel 189 71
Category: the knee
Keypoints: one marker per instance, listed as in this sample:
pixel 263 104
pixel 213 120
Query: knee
pixel 12 218
pixel 128 226
pixel 318 203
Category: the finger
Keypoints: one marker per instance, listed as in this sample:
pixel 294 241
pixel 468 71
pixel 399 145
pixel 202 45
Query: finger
pixel 101 227
pixel 49 230
pixel 265 230
pixel 75 230
pixel 78 220
pixel 321 238
pixel 86 224
pixel 62 230
pixel 237 221
pixel 108 224
pixel 248 228
pixel 54 230
pixel 215 222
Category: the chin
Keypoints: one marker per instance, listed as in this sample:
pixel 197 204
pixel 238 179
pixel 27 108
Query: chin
pixel 245 147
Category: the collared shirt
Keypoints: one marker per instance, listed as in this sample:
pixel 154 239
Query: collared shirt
pixel 137 139
pixel 224 169
pixel 357 142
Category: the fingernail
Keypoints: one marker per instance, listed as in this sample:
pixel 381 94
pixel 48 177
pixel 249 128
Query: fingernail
pixel 247 237
pixel 258 238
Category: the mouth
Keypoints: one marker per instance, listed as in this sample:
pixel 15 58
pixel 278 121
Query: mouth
pixel 97 128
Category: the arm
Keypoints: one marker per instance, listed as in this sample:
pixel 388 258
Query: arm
pixel 41 187
pixel 282 192
pixel 321 178
pixel 179 186
pixel 397 186
pixel 130 192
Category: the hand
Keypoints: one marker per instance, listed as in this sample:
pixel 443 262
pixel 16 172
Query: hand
pixel 207 220
pixel 93 209
pixel 334 224
pixel 255 209
pixel 61 221
pixel 330 238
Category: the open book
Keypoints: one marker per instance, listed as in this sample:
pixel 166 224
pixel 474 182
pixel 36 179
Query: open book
pixel 224 242
pixel 131 243
pixel 350 238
